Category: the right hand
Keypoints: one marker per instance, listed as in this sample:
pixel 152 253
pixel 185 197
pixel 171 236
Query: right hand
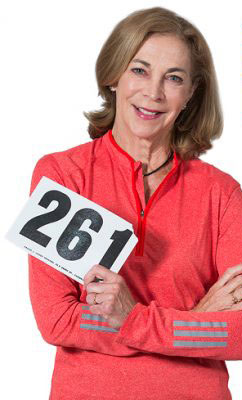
pixel 219 297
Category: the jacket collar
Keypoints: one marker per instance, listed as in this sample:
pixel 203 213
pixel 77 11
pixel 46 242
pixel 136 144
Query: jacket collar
pixel 124 158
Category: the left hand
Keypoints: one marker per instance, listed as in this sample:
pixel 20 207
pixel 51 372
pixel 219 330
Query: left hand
pixel 114 298
pixel 219 297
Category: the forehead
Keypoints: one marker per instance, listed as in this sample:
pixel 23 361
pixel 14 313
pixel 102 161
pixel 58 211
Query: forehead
pixel 165 50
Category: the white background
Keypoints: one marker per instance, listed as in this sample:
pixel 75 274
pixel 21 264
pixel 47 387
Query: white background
pixel 48 51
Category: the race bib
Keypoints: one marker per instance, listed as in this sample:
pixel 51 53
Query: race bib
pixel 71 233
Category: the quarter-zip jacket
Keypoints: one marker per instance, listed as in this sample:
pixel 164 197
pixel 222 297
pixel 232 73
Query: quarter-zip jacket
pixel 189 232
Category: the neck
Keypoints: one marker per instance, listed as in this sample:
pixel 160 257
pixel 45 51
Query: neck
pixel 152 152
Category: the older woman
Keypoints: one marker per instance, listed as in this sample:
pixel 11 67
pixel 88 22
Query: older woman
pixel 163 326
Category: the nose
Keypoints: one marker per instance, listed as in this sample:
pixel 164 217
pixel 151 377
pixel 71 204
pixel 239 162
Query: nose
pixel 155 91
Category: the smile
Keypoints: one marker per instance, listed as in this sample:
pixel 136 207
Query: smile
pixel 147 115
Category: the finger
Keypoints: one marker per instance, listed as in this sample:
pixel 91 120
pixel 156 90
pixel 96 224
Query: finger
pixel 94 287
pixel 237 294
pixel 100 298
pixel 96 309
pixel 236 307
pixel 229 274
pixel 94 274
pixel 233 284
pixel 99 271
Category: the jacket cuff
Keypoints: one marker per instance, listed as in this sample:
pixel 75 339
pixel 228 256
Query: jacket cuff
pixel 127 332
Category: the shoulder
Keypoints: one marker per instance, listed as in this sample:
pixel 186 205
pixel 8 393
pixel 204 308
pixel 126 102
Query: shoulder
pixel 209 180
pixel 68 161
pixel 60 166
pixel 210 176
pixel 73 158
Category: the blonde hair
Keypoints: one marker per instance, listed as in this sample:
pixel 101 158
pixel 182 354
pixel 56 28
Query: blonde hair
pixel 202 120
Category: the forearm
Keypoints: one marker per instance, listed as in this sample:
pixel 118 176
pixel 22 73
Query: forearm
pixel 214 335
pixel 64 318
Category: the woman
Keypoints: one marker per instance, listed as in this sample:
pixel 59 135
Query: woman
pixel 163 326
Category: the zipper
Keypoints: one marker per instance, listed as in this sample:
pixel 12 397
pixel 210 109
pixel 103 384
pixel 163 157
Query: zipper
pixel 142 214
pixel 139 251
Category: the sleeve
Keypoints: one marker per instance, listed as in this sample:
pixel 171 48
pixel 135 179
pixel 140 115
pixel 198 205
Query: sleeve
pixel 213 335
pixel 61 312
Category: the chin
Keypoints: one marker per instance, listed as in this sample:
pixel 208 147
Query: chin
pixel 144 133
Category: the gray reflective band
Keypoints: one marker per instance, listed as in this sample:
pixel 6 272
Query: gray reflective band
pixel 86 307
pixel 184 343
pixel 201 333
pixel 97 328
pixel 198 323
pixel 93 317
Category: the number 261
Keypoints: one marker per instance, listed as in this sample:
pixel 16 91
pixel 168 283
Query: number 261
pixel 83 239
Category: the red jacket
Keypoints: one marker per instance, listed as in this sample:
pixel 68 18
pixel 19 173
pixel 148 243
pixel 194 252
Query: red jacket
pixel 190 233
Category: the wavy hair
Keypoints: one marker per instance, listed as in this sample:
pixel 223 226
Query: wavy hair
pixel 202 120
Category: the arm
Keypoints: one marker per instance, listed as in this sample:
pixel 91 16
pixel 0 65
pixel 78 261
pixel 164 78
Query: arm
pixel 59 303
pixel 215 335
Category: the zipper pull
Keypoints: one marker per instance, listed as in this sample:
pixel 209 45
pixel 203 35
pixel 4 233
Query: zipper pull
pixel 142 213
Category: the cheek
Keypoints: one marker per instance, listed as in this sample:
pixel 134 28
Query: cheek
pixel 130 85
pixel 124 93
pixel 129 90
pixel 176 98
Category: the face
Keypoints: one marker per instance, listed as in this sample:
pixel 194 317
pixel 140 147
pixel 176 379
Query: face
pixel 158 79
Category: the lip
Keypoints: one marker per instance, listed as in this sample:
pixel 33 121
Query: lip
pixel 148 109
pixel 145 116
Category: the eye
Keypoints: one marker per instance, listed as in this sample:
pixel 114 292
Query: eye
pixel 177 78
pixel 138 71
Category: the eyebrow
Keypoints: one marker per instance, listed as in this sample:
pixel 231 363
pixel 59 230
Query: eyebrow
pixel 169 69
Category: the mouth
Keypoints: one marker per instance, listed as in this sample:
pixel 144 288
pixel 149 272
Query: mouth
pixel 147 110
pixel 144 109
pixel 145 113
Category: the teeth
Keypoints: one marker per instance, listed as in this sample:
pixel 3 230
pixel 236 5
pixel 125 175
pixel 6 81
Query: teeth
pixel 146 112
